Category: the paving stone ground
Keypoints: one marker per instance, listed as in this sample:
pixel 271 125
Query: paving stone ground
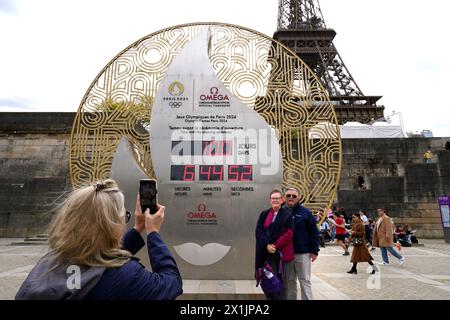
pixel 424 276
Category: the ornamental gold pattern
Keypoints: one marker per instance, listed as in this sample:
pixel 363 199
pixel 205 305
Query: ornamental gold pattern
pixel 262 73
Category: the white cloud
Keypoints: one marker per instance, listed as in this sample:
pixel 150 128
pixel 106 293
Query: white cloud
pixel 52 50
pixel 396 49
pixel 17 103
pixel 8 7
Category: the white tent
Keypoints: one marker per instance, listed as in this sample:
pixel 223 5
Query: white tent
pixel 356 130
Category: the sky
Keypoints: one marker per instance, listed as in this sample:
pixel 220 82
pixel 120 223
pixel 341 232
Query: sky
pixel 51 51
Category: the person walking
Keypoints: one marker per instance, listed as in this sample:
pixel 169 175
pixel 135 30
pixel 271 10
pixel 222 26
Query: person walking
pixel 87 234
pixel 360 252
pixel 372 225
pixel 324 233
pixel 366 223
pixel 341 232
pixel 384 239
pixel 274 233
pixel 332 225
pixel 306 247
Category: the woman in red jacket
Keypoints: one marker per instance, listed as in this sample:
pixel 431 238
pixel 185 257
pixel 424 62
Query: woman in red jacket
pixel 274 232
pixel 340 232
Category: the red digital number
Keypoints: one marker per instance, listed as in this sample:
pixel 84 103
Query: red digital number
pixel 211 173
pixel 246 174
pixel 217 148
pixel 189 173
pixel 218 173
pixel 233 173
pixel 205 170
pixel 213 148
pixel 207 148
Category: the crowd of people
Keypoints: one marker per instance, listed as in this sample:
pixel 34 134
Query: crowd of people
pixel 89 231
pixel 338 223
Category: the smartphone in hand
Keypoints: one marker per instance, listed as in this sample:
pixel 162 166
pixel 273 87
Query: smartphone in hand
pixel 148 194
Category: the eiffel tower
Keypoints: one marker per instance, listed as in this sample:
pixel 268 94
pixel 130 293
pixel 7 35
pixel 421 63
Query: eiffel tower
pixel 301 27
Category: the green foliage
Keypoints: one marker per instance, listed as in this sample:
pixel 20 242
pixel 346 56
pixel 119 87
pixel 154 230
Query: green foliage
pixel 140 110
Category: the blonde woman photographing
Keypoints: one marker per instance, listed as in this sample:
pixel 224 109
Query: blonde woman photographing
pixel 90 258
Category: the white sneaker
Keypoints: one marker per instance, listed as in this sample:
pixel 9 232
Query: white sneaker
pixel 383 263
pixel 402 261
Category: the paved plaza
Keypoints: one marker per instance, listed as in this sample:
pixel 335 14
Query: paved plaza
pixel 424 276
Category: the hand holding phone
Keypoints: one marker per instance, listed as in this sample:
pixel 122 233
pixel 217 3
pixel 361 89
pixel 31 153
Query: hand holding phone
pixel 154 222
pixel 139 218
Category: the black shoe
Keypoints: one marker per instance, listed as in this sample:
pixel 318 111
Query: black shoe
pixel 353 271
pixel 373 271
pixel 346 253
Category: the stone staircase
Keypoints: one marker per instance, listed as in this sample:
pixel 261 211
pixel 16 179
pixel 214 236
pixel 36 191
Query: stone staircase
pixel 40 239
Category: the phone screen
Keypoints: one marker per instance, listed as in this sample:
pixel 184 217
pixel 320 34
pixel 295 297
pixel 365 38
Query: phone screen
pixel 147 193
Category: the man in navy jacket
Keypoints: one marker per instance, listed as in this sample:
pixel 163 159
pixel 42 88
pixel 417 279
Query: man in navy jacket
pixel 306 247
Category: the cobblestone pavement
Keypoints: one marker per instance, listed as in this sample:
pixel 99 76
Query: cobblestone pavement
pixel 424 276
pixel 15 264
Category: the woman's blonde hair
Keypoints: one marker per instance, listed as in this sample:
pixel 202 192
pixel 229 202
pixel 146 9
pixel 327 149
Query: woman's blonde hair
pixel 88 228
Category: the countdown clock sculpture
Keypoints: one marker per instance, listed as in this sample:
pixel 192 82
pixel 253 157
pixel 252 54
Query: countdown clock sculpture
pixel 217 115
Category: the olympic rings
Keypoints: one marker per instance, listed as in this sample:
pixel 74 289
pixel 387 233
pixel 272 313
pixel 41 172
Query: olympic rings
pixel 175 104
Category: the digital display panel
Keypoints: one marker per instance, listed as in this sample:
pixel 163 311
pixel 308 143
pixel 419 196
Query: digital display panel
pixel 211 173
pixel 182 173
pixel 240 173
pixel 236 173
pixel 199 148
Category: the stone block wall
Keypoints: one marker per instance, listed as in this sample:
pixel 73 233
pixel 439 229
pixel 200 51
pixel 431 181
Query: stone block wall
pixel 397 179
pixel 33 170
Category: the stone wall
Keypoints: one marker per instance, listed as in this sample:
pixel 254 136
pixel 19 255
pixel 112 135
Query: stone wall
pixel 34 175
pixel 398 179
pixel 33 169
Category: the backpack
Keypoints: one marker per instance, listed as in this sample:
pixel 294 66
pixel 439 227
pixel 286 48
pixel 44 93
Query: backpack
pixel 404 243
pixel 270 283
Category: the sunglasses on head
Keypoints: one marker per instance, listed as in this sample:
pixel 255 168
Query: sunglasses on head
pixel 127 216
pixel 291 196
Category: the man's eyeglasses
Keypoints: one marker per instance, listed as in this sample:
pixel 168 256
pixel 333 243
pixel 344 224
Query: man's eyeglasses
pixel 291 196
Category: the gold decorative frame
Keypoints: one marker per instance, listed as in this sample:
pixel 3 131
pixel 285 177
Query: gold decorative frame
pixel 284 91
